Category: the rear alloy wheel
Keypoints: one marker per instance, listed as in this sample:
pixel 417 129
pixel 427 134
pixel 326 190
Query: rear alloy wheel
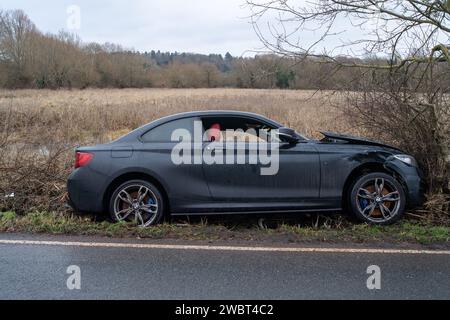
pixel 137 201
pixel 377 198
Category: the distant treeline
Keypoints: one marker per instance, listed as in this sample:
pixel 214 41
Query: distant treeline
pixel 31 59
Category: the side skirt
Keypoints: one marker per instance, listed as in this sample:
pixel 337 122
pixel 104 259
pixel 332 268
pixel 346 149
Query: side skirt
pixel 254 212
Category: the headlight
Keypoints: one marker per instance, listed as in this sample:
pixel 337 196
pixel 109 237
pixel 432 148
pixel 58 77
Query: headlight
pixel 406 159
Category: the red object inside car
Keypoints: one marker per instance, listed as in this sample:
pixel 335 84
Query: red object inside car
pixel 214 132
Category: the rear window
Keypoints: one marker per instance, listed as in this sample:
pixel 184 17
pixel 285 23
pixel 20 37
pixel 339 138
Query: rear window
pixel 163 133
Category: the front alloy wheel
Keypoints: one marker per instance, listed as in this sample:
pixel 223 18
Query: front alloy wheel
pixel 137 201
pixel 377 198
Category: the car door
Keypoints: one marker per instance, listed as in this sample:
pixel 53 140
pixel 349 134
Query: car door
pixel 297 177
pixel 185 183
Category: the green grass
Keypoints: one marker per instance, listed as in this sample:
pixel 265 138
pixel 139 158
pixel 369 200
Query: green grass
pixel 56 223
pixel 407 231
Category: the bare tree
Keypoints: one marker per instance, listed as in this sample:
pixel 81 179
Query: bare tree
pixel 402 91
pixel 398 28
pixel 16 30
pixel 210 74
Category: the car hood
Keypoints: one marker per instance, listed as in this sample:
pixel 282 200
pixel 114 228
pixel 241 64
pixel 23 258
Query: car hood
pixel 336 137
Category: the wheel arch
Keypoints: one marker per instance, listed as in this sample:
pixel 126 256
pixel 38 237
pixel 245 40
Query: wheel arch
pixel 134 175
pixel 366 168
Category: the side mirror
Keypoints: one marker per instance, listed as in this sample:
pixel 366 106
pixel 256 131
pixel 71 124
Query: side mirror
pixel 288 135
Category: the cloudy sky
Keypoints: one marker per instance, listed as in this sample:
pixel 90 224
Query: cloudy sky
pixel 204 26
pixel 201 26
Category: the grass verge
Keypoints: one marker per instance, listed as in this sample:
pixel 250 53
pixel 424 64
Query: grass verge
pixel 407 231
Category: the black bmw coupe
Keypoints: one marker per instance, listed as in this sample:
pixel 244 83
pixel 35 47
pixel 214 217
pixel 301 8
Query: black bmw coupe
pixel 229 162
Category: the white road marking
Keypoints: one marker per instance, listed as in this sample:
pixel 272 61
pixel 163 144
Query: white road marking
pixel 219 248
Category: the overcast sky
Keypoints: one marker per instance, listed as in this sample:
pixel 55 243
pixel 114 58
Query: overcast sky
pixel 203 26
pixel 200 26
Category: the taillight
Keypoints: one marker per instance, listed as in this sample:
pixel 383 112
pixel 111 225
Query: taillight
pixel 82 159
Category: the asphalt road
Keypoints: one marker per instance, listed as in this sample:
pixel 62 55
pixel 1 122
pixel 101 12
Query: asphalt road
pixel 39 272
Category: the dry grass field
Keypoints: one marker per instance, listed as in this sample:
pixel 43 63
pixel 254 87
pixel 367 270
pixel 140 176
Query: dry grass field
pixel 94 115
pixel 40 129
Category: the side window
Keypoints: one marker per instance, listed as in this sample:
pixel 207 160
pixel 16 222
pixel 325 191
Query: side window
pixel 163 133
pixel 235 129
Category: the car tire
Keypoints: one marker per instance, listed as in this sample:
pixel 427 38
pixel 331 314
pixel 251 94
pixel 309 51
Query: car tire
pixel 377 198
pixel 137 201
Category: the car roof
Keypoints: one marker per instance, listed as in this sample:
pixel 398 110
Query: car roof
pixel 218 113
pixel 208 113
